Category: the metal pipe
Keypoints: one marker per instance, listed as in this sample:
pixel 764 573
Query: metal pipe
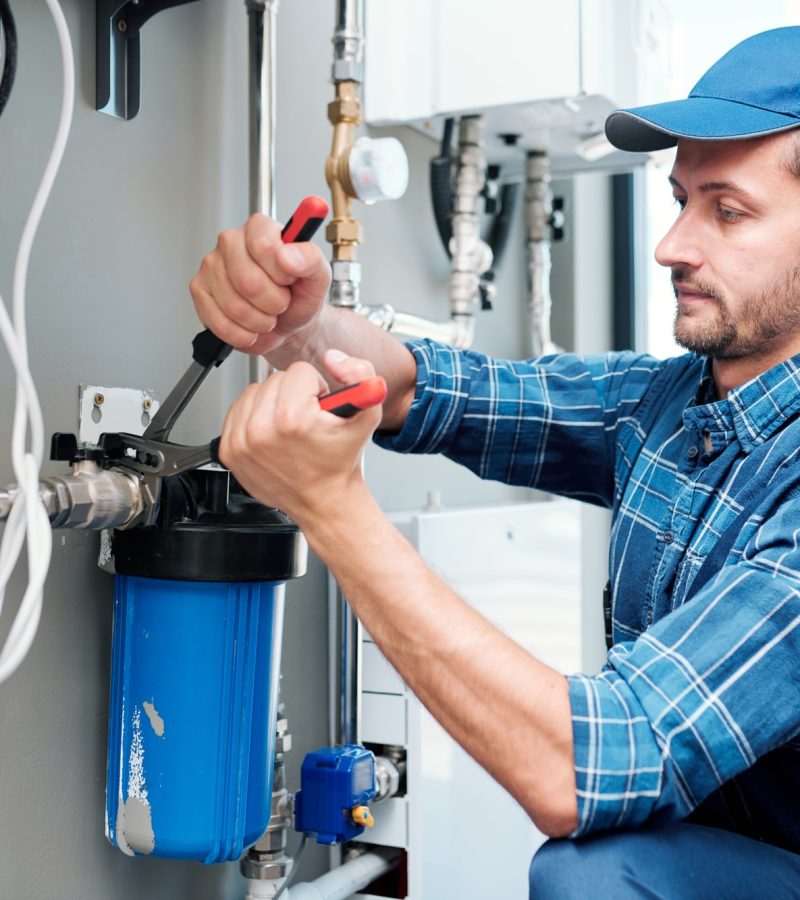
pixel 344 113
pixel 348 42
pixel 459 331
pixel 262 15
pixel 266 865
pixel 538 217
pixel 89 497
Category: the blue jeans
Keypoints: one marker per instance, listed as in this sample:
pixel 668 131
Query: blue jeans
pixel 674 862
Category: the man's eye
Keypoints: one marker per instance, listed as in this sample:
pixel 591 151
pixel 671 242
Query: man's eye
pixel 679 202
pixel 729 215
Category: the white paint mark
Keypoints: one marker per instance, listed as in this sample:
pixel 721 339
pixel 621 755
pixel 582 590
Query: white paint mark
pixel 156 722
pixel 134 820
pixel 136 783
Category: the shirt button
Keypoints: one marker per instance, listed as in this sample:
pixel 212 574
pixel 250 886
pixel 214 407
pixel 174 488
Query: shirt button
pixel 692 452
pixel 668 537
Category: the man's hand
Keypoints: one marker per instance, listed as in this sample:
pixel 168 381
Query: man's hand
pixel 253 291
pixel 289 453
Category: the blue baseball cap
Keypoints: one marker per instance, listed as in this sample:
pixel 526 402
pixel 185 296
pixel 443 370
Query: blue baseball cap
pixel 753 91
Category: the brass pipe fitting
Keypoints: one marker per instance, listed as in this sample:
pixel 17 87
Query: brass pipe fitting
pixel 344 113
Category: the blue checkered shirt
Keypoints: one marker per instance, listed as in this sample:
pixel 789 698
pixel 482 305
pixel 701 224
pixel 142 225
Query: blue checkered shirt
pixel 693 693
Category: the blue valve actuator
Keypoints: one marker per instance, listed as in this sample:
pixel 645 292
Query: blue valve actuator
pixel 336 783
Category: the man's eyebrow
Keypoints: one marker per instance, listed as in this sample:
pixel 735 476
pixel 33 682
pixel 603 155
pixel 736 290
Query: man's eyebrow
pixel 715 186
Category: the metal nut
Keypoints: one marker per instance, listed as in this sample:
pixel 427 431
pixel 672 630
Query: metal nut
pixel 99 399
pixel 147 404
pixel 343 231
pixel 344 110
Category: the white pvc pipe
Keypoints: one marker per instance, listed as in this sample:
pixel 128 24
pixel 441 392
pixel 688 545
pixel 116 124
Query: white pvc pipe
pixel 264 890
pixel 345 881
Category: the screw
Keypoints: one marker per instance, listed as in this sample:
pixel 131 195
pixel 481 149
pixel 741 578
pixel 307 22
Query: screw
pixel 99 399
pixel 122 25
pixel 147 405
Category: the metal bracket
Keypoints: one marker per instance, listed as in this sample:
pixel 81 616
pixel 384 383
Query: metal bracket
pixel 118 52
pixel 113 409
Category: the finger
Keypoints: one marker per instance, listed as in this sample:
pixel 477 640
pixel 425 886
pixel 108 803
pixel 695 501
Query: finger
pixel 223 327
pixel 245 287
pixel 298 396
pixel 347 369
pixel 286 264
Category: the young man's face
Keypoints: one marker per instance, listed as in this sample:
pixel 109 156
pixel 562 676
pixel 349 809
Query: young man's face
pixel 734 250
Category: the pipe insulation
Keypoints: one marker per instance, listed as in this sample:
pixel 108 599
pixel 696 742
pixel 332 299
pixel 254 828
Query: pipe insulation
pixel 471 256
pixel 538 216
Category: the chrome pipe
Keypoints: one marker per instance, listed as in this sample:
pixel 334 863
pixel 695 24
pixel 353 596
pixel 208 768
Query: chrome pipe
pixel 262 16
pixel 348 42
pixel 459 331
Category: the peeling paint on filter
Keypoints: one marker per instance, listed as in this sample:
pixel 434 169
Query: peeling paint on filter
pixel 156 722
pixel 134 821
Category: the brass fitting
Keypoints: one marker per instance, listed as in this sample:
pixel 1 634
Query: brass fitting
pixel 343 232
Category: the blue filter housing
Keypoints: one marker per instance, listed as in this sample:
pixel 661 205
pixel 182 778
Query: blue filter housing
pixel 194 676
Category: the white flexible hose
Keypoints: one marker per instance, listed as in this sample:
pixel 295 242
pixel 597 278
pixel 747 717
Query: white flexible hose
pixel 28 520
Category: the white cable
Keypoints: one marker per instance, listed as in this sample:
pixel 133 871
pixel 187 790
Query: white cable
pixel 28 521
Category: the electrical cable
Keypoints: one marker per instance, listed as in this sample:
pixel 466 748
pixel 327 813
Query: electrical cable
pixel 295 868
pixel 9 31
pixel 28 521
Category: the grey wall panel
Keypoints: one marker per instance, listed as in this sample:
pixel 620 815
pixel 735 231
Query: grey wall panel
pixel 136 206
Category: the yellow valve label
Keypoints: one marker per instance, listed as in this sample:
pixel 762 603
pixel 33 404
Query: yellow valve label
pixel 362 816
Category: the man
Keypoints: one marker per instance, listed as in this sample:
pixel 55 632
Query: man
pixel 676 771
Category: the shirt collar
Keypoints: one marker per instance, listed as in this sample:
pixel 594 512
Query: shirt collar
pixel 755 410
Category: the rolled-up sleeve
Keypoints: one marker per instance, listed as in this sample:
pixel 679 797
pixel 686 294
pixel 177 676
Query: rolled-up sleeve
pixel 700 696
pixel 519 422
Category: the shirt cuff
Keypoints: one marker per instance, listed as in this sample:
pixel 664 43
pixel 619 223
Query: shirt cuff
pixel 618 765
pixel 442 389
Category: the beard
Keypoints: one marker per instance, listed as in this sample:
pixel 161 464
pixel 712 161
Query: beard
pixel 759 325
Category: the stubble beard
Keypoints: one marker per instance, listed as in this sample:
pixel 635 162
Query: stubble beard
pixel 763 320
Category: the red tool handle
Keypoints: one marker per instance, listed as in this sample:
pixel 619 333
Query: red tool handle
pixel 349 400
pixel 345 402
pixel 305 220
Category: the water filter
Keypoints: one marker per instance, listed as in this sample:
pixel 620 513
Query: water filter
pixel 198 614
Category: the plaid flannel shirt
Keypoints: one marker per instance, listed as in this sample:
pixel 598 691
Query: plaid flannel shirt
pixel 693 694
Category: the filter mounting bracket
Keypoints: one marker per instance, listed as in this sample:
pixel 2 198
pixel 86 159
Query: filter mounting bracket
pixel 119 23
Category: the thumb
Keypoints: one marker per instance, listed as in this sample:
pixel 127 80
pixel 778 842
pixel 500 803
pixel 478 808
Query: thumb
pixel 347 369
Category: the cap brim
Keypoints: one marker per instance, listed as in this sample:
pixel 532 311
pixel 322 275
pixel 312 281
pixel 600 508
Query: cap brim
pixel 646 128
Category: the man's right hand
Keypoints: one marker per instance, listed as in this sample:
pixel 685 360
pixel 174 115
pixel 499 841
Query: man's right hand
pixel 253 291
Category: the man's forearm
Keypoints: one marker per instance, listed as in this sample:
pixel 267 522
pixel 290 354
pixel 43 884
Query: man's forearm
pixel 507 709
pixel 350 332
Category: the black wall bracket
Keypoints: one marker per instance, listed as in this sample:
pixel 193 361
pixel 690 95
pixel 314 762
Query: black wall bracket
pixel 118 53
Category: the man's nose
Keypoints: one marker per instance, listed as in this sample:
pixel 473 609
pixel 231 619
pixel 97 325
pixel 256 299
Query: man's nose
pixel 680 246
